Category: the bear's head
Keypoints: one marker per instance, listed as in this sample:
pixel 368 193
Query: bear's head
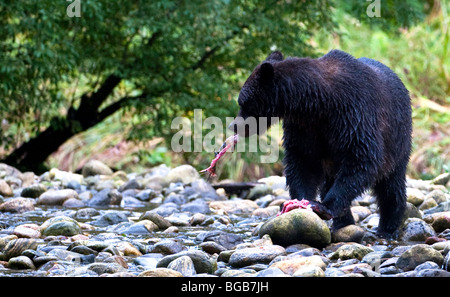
pixel 257 99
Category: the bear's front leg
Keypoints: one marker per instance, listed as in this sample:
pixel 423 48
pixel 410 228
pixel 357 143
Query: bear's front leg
pixel 348 185
pixel 302 176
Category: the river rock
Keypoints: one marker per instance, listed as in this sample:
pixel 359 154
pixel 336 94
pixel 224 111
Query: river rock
pixel 159 220
pixel 441 179
pixel 411 212
pixel 212 247
pixel 167 247
pixel 203 263
pixel 105 197
pixel 128 249
pixel 201 189
pixel 101 268
pixel 297 226
pixel 56 197
pixel 417 255
pixel 73 203
pixel 5 189
pixel 309 271
pixel 142 227
pixel 17 205
pixel 249 256
pixel 266 212
pixel 375 259
pixel 236 206
pixel 196 206
pixel 433 273
pixel 21 262
pixel 415 196
pixel 148 261
pixel 95 167
pixel 428 203
pixel 184 173
pixel 16 247
pixel 290 266
pixel 184 265
pixel 415 229
pixel 438 196
pixel 351 251
pixel 160 272
pixel 33 191
pixel 440 221
pixel 350 233
pixel 258 191
pixel 226 240
pixel 27 231
pixel 111 217
pixel 60 225
pixel 360 213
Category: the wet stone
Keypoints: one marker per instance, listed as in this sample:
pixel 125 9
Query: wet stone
pixel 238 206
pixel 351 251
pixel 27 231
pixel 203 263
pixel 167 247
pixel 15 247
pixel 111 217
pixel 60 225
pixel 184 265
pixel 95 167
pixel 17 205
pixel 350 233
pixel 249 256
pixel 417 255
pixel 309 271
pixel 101 268
pixel 212 247
pixel 297 226
pixel 290 266
pixel 5 189
pixel 415 229
pixel 160 272
pixel 21 262
pixel 224 239
pixel 33 191
pixel 440 221
pixel 56 197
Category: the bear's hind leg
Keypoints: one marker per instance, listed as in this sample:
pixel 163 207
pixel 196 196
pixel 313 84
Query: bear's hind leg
pixel 391 198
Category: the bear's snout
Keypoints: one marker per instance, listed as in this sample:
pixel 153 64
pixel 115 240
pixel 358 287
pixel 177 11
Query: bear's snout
pixel 244 127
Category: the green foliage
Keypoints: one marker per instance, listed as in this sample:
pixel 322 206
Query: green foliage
pixel 386 15
pixel 177 56
pixel 181 55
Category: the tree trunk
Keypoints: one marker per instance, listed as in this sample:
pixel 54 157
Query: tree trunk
pixel 31 155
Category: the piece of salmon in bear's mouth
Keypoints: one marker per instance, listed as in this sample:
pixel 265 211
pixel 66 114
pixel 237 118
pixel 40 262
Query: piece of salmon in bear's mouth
pixel 229 143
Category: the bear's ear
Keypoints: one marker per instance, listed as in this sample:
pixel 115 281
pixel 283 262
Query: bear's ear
pixel 266 71
pixel 275 56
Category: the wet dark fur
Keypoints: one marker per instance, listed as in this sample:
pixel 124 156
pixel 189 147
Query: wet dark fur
pixel 347 128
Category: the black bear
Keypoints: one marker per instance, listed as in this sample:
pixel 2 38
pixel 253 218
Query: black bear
pixel 347 128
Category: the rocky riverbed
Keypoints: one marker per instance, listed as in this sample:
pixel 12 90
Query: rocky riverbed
pixel 171 222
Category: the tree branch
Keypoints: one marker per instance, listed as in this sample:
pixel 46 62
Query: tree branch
pixel 211 52
pixel 113 107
